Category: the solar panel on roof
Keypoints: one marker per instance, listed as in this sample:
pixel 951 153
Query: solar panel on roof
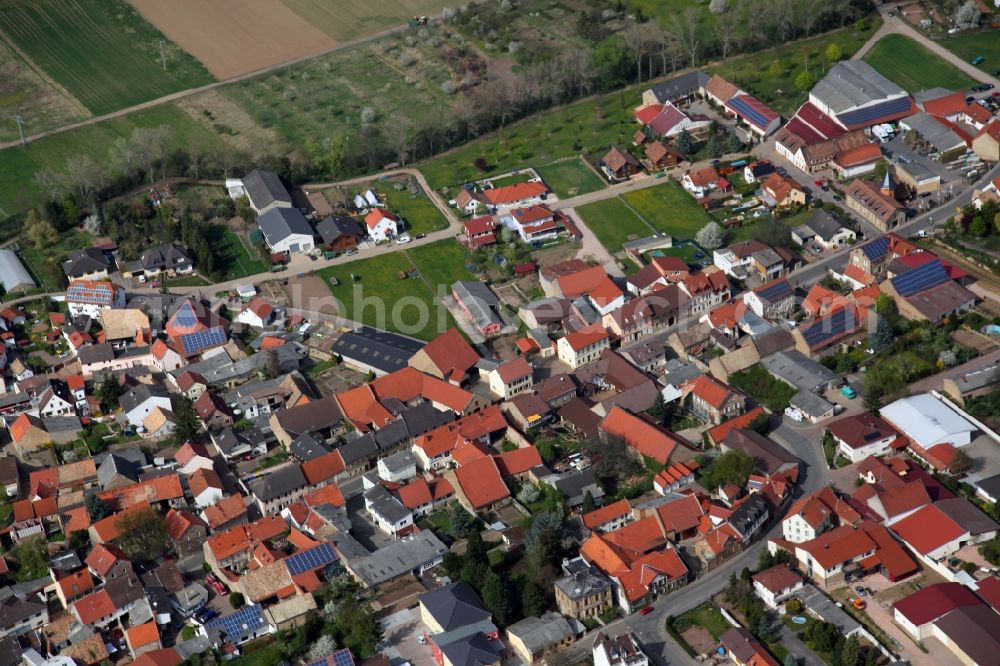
pixel 869 115
pixel 342 658
pixel 776 291
pixel 185 315
pixel 238 623
pixel 744 107
pixel 195 342
pixel 877 248
pixel 308 560
pixel 839 323
pixel 918 279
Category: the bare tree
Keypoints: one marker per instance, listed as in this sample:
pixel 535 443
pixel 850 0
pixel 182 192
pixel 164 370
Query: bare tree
pixel 725 32
pixel 197 156
pixel 84 176
pixel 496 95
pixel 685 28
pixel 635 40
pixel 401 138
pixel 141 148
pixel 161 140
pixel 52 184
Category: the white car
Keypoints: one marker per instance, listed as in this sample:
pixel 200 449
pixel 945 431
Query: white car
pixel 403 240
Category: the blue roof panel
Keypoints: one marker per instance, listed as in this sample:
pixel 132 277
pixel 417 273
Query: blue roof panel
pixel 920 278
pixel 869 115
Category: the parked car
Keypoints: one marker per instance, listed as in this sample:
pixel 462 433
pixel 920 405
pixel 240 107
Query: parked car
pixel 848 392
pixel 421 639
pixel 403 240
pixel 646 610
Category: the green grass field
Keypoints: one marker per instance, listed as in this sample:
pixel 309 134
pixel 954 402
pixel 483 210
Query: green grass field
pixel 752 71
pixel 568 178
pixel 513 179
pixel 613 223
pixel 973 45
pixel 379 298
pixel 420 213
pixel 441 263
pixel 45 264
pixel 903 61
pixel 104 52
pixel 234 256
pixel 669 208
pixel 18 190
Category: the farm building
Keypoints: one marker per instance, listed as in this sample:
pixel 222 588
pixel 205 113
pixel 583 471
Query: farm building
pixel 263 189
pixel 339 232
pixel 286 230
pixel 856 96
pixel 13 275
pixel 368 349
pixel 876 205
pixel 676 89
pixel 479 304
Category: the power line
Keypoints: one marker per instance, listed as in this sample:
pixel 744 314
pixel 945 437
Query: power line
pixel 163 58
pixel 19 119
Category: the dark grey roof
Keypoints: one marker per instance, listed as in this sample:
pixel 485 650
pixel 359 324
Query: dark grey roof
pixel 802 372
pixel 968 516
pixel 8 469
pixel 574 485
pixel 312 417
pixel 823 224
pixel 811 404
pixel 334 226
pixel 399 558
pixel 282 481
pixel 306 447
pixel 114 466
pixel 166 256
pixel 64 423
pixel 540 633
pixel 424 418
pixel 748 513
pixel 990 485
pixel 583 583
pixel 382 503
pixel 680 86
pixel 102 353
pixel 359 448
pixel 398 461
pixel 479 300
pixel 228 439
pixel 474 650
pixel 140 394
pixel 14 610
pixel 66 560
pixel 382 350
pixel 975 630
pixel 454 606
pixel 84 262
pixel 392 435
pixel 264 188
pixel 132 453
pixel 853 83
pixel 278 224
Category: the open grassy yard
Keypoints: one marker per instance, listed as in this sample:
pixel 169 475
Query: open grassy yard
pixel 419 212
pixel 18 190
pixel 441 263
pixel 707 616
pixel 752 72
pixel 588 126
pixel 570 177
pixel 904 61
pixel 236 260
pixel 45 264
pixel 669 208
pixel 104 53
pixel 380 298
pixel 975 44
pixel 613 223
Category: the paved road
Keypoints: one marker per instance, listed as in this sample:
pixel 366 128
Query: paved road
pixel 896 25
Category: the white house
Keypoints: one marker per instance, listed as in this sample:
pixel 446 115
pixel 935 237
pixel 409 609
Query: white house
pixel 258 313
pixel 141 400
pixel 511 378
pixel 87 297
pixel 263 189
pixel 776 584
pixel 862 435
pixel 388 512
pixel 286 230
pixel 382 225
pixel 55 400
pixel 583 346
pixel 622 650
pixel 398 467
pixel 205 487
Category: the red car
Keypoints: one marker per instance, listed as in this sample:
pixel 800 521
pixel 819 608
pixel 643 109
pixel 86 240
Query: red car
pixel 646 611
pixel 819 183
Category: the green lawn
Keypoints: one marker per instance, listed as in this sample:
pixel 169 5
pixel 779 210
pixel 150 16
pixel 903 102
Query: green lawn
pixel 763 387
pixel 669 208
pixel 904 61
pixel 18 165
pixel 234 258
pixel 104 52
pixel 975 44
pixel 45 264
pixel 187 281
pixel 752 71
pixel 420 213
pixel 686 252
pixel 379 298
pixel 513 179
pixel 441 263
pixel 613 223
pixel 568 178
pixel 707 616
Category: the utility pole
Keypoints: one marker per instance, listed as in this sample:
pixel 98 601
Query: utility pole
pixel 19 119
pixel 163 58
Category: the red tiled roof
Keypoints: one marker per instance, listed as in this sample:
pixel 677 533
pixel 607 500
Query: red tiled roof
pixel 989 591
pixel 869 152
pixel 712 391
pixel 777 578
pixel 162 657
pixel 373 218
pixel 103 556
pixel 719 432
pixel 107 528
pixel 582 282
pixel 451 353
pixel 860 429
pixel 143 634
pixel 933 601
pixel 585 337
pixel 518 461
pixel 515 369
pixel 94 606
pixel 323 468
pixel 414 494
pixel 838 546
pixel 481 482
pixel 928 529
pixel 681 515
pixel 329 494
pixel 607 513
pixel 646 114
pixel 226 509
pixel 645 437
pixel 75 584
pixel 499 196
pixel 178 522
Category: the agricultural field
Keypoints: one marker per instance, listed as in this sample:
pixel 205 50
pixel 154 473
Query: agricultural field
pixel 570 177
pixel 613 223
pixel 104 53
pixel 753 71
pixel 18 189
pixel 669 208
pixel 419 212
pixel 43 104
pixel 442 263
pixel 975 44
pixel 904 61
pixel 380 298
